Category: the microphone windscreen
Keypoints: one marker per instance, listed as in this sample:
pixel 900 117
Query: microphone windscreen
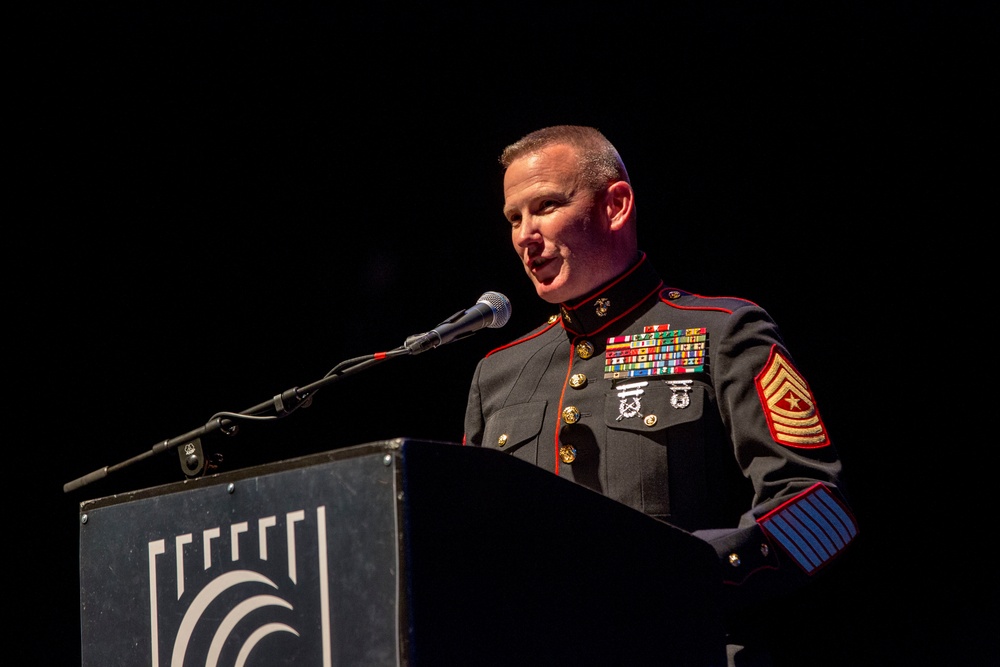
pixel 500 305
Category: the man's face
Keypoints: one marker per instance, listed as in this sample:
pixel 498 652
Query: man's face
pixel 558 229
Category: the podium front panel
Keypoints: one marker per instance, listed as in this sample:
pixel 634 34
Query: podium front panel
pixel 272 567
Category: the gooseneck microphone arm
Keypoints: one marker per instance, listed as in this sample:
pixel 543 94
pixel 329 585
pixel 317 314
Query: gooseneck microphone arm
pixel 495 314
pixel 282 405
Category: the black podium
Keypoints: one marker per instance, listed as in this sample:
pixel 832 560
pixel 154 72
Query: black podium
pixel 400 552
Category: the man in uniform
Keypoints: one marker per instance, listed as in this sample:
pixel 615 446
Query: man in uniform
pixel 686 407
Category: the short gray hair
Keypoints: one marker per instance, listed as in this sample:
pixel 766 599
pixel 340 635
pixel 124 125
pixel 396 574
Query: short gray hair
pixel 600 163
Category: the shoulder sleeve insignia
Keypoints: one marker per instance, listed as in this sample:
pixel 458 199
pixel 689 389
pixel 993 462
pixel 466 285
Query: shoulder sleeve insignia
pixel 789 406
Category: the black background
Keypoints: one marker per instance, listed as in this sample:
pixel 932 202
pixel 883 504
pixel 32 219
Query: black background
pixel 221 202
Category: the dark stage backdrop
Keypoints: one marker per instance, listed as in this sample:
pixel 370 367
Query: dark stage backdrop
pixel 224 202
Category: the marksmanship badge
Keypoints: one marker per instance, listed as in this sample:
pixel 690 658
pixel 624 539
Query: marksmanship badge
pixel 680 396
pixel 629 405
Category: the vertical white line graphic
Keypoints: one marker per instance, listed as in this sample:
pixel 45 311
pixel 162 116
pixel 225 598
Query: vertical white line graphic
pixel 292 517
pixel 324 585
pixel 155 548
pixel 179 543
pixel 262 526
pixel 234 538
pixel 206 542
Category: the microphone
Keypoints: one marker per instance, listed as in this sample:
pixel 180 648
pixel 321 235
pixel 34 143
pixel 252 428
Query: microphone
pixel 492 310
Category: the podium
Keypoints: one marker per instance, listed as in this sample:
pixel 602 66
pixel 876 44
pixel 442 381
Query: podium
pixel 400 552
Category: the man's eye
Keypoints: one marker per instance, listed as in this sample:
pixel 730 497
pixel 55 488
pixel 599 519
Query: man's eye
pixel 514 220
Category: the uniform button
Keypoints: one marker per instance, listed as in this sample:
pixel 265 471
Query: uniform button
pixel 571 415
pixel 578 381
pixel 553 319
pixel 567 453
pixel 649 420
pixel 734 559
pixel 585 349
pixel 502 440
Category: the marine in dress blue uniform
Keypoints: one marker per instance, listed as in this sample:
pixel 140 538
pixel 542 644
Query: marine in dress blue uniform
pixel 686 407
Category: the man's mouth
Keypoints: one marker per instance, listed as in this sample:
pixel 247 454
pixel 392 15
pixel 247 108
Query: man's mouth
pixel 540 271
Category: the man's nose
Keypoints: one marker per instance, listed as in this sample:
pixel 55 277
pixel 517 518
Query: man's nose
pixel 526 232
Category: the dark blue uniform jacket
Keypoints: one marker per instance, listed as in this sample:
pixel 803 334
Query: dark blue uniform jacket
pixel 685 407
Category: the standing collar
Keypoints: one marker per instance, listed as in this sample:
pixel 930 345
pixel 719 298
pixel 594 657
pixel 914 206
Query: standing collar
pixel 613 300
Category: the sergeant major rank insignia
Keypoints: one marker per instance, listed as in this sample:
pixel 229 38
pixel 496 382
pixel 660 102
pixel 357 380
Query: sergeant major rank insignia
pixel 789 406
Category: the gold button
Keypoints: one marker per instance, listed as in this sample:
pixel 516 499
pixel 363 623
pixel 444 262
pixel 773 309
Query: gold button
pixel 585 349
pixel 578 381
pixel 734 559
pixel 502 440
pixel 553 319
pixel 571 415
pixel 567 453
pixel 673 295
pixel 650 420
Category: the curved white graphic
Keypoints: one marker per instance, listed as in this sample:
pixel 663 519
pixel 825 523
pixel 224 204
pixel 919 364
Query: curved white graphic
pixel 256 636
pixel 237 614
pixel 205 597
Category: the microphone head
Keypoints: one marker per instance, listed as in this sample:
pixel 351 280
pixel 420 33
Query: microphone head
pixel 500 305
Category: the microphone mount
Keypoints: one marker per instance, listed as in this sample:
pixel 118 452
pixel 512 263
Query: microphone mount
pixel 188 444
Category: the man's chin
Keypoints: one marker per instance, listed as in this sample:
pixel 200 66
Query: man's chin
pixel 547 292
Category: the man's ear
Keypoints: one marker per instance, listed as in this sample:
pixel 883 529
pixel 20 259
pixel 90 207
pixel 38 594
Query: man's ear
pixel 619 202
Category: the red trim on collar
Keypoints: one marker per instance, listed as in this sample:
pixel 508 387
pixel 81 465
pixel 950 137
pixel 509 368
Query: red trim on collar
pixel 612 321
pixel 582 301
pixel 522 340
